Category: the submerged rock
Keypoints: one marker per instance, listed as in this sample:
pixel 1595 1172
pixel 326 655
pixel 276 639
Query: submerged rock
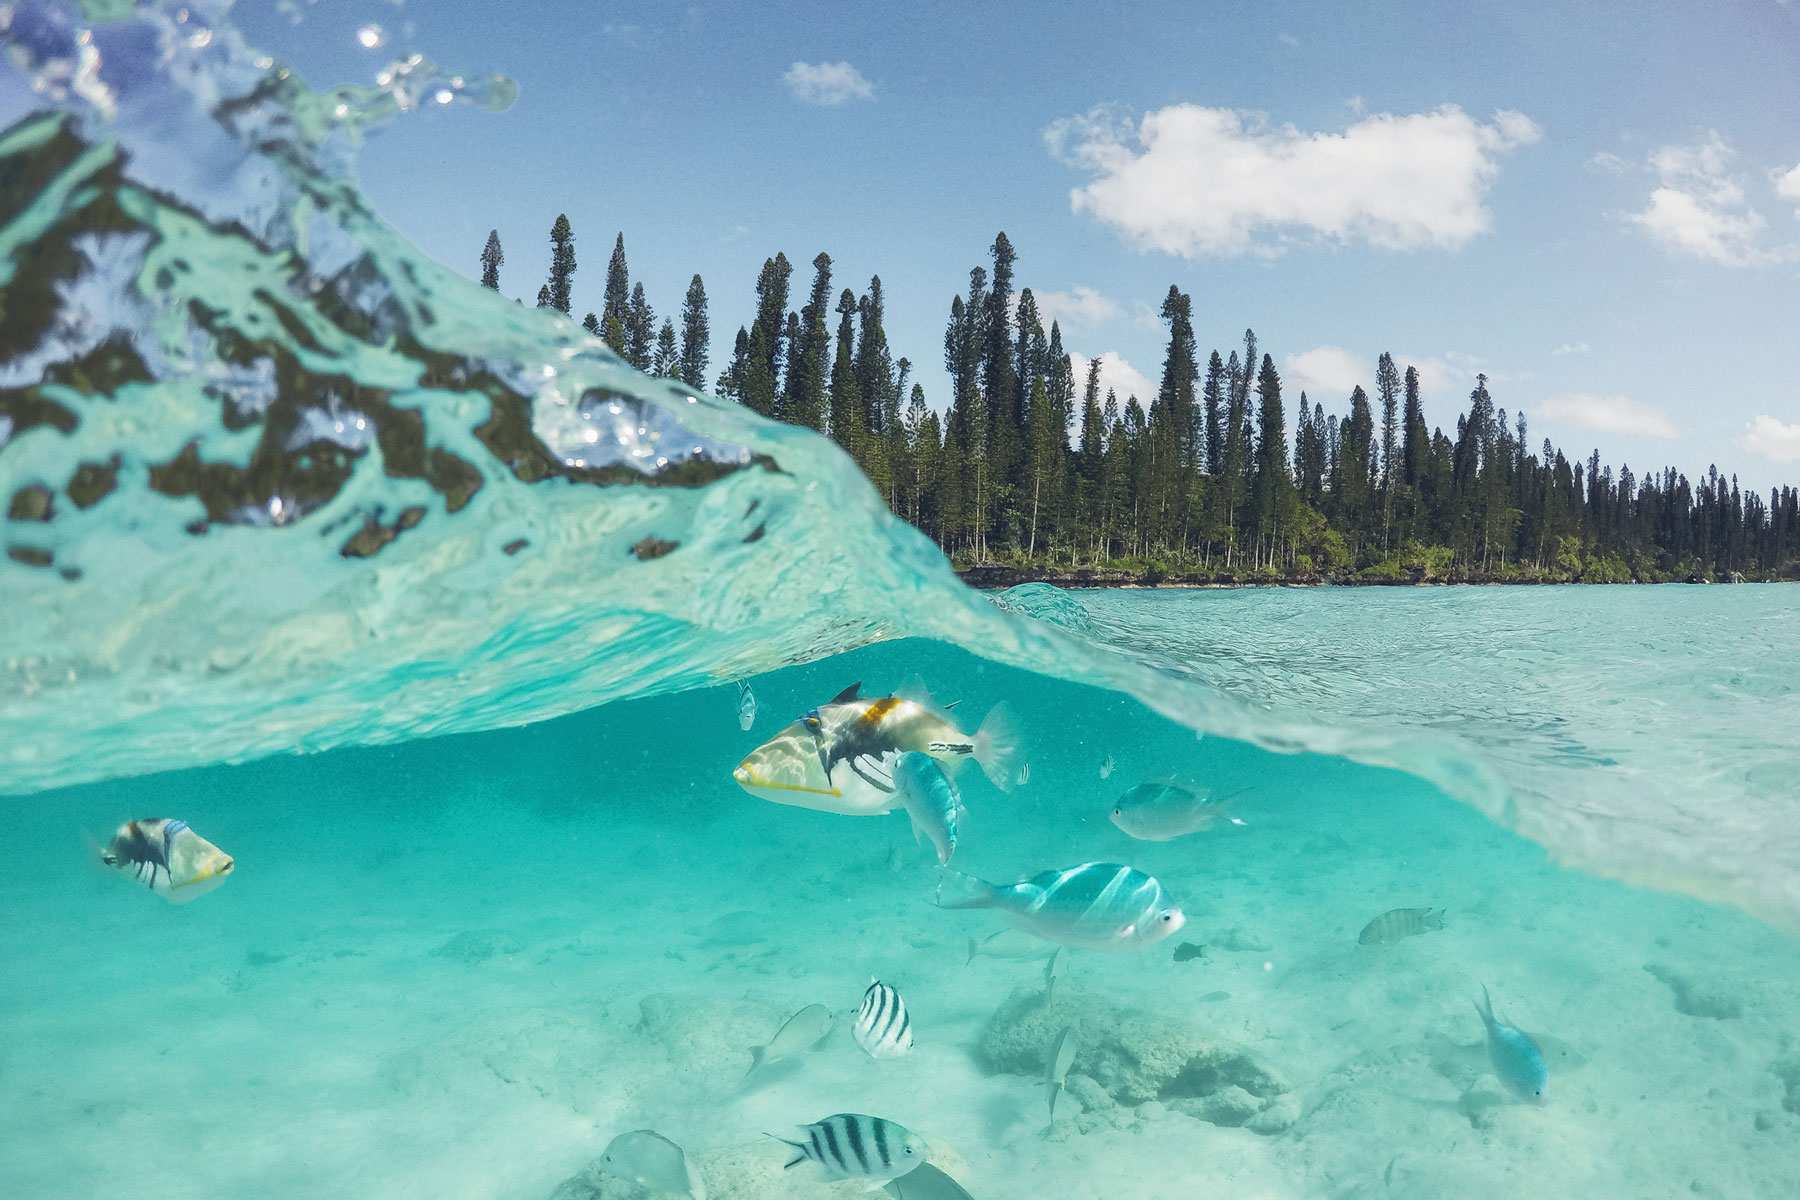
pixel 750 1171
pixel 1698 997
pixel 1133 1058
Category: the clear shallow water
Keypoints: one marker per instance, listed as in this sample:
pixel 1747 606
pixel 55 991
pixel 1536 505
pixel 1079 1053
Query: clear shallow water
pixel 354 508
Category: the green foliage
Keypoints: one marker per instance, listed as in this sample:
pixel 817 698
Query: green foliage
pixel 562 263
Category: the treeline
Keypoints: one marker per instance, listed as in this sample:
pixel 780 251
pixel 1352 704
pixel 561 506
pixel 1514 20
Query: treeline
pixel 1031 466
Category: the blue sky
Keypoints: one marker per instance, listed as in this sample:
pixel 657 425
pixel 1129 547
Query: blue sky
pixel 1590 202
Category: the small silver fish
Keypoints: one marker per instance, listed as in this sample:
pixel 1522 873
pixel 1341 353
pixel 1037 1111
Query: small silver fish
pixel 1053 970
pixel 930 799
pixel 805 1030
pixel 1094 906
pixel 853 1146
pixel 883 1027
pixel 168 858
pixel 1398 923
pixel 926 1182
pixel 1024 774
pixel 1010 943
pixel 1056 1069
pixel 652 1161
pixel 1162 811
pixel 1107 766
pixel 1517 1062
pixel 746 706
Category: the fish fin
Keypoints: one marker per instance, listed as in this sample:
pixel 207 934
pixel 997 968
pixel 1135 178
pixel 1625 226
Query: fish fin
pixel 756 1059
pixel 847 695
pixel 974 949
pixel 913 688
pixel 1486 1007
pixel 997 744
pixel 964 891
pixel 800 1146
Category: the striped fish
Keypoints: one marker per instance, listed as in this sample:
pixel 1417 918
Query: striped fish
pixel 852 1146
pixel 882 1026
pixel 168 858
pixel 1399 923
pixel 1095 906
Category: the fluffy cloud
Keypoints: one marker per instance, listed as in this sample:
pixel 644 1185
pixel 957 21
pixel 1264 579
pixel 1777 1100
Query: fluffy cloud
pixel 1082 308
pixel 1606 414
pixel 1788 188
pixel 1326 373
pixel 1571 348
pixel 827 84
pixel 1117 374
pixel 1199 181
pixel 1700 209
pixel 1769 438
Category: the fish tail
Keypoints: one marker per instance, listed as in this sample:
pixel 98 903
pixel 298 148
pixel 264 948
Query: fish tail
pixel 1486 1007
pixel 957 890
pixel 756 1059
pixel 974 949
pixel 800 1146
pixel 997 744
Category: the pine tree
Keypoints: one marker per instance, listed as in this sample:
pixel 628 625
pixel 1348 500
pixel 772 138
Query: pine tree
pixel 762 368
pixel 694 336
pixel 668 356
pixel 491 258
pixel 640 330
pixel 617 300
pixel 1213 405
pixel 809 352
pixel 543 300
pixel 562 263
pixel 614 334
pixel 1387 386
pixel 846 398
pixel 1273 486
pixel 591 323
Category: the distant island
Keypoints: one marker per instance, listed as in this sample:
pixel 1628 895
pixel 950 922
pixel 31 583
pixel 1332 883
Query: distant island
pixel 1198 486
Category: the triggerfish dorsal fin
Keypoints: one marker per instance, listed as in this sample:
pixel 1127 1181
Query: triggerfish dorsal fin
pixel 848 694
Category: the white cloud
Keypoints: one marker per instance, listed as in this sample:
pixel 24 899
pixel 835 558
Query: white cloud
pixel 1769 438
pixel 1288 39
pixel 1117 374
pixel 1606 414
pixel 1606 160
pixel 1326 373
pixel 1788 188
pixel 1572 348
pixel 1701 210
pixel 827 84
pixel 1082 308
pixel 1199 181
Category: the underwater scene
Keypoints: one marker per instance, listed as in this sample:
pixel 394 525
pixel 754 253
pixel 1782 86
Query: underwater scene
pixel 441 761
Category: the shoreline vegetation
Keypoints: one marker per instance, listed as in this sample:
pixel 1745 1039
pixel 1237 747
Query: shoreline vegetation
pixel 1028 473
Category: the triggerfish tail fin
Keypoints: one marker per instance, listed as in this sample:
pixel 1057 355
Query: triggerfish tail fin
pixel 957 890
pixel 997 745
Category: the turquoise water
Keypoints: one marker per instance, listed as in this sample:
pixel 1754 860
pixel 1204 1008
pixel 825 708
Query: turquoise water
pixel 427 611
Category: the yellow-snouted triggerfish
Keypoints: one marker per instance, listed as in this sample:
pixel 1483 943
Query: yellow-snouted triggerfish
pixel 839 758
pixel 168 858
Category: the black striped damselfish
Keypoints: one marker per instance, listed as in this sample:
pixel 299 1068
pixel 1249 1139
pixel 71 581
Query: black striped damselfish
pixel 883 1027
pixel 852 1146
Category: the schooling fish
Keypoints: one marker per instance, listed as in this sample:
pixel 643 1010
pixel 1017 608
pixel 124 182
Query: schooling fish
pixel 1056 1069
pixel 1095 906
pixel 930 799
pixel 839 757
pixel 1106 766
pixel 1517 1061
pixel 805 1030
pixel 1397 923
pixel 1161 811
pixel 1024 775
pixel 168 858
pixel 852 1146
pixel 1010 943
pixel 926 1182
pixel 746 706
pixel 882 1026
pixel 652 1161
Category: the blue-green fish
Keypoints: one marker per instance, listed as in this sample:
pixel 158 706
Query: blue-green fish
pixel 746 706
pixel 1517 1061
pixel 1161 811
pixel 1095 906
pixel 930 799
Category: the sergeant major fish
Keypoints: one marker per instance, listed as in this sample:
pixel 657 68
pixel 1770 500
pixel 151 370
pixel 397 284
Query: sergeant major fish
pixel 805 1030
pixel 168 858
pixel 839 757
pixel 1397 923
pixel 1095 906
pixel 930 799
pixel 746 706
pixel 853 1146
pixel 1517 1061
pixel 1162 811
pixel 652 1161
pixel 883 1028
